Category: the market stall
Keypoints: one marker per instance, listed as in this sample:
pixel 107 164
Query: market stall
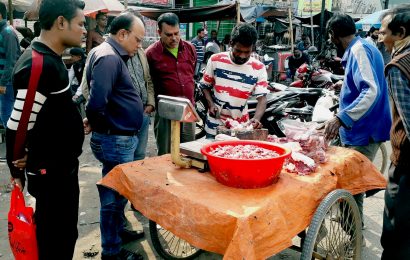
pixel 187 204
pixel 238 223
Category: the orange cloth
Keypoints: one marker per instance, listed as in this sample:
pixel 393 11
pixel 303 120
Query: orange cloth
pixel 238 223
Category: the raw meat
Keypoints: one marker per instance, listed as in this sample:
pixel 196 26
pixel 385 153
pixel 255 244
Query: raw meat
pixel 243 152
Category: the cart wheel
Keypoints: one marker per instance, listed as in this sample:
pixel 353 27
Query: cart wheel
pixel 169 246
pixel 336 229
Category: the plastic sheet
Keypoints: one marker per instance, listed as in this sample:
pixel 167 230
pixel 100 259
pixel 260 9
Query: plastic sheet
pixel 238 223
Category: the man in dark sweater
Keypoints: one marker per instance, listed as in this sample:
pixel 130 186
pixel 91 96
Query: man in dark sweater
pixel 395 34
pixel 55 131
pixel 115 114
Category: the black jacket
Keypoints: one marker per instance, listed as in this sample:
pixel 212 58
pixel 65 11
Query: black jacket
pixel 55 131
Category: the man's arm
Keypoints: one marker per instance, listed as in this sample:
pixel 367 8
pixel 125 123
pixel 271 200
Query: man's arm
pixel 260 111
pixel 89 43
pixel 401 94
pixel 365 80
pixel 103 77
pixel 12 50
pixel 148 82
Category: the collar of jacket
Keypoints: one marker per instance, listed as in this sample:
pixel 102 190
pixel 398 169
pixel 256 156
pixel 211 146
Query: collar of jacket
pixel 118 48
pixel 42 48
pixel 181 46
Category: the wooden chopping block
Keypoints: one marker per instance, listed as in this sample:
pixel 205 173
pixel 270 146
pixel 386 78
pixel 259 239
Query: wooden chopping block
pixel 254 134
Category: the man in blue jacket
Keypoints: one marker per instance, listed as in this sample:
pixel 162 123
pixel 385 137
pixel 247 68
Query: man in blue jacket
pixel 364 118
pixel 9 53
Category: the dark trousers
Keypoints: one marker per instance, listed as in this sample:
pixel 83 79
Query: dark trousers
pixel 396 217
pixel 56 215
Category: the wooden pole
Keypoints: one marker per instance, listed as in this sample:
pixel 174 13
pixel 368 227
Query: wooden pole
pixel 10 12
pixel 290 26
pixel 322 25
pixel 312 35
pixel 238 12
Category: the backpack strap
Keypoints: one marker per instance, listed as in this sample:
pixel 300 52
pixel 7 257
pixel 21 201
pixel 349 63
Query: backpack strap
pixel 21 134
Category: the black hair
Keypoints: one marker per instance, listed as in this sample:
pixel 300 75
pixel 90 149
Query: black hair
pixel 99 15
pixel 76 51
pixel 214 31
pixel 244 34
pixel 200 30
pixel 400 18
pixel 50 10
pixel 341 25
pixel 3 10
pixel 168 18
pixel 123 21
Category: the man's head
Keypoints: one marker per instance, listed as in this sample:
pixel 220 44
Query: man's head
pixel 77 54
pixel 168 30
pixel 374 33
pixel 297 53
pixel 128 30
pixel 65 19
pixel 200 33
pixel 395 26
pixel 214 34
pixel 3 11
pixel 101 19
pixel 340 26
pixel 243 39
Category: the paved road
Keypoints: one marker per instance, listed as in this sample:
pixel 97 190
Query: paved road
pixel 89 235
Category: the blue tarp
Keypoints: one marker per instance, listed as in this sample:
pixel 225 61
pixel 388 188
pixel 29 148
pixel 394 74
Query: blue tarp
pixel 371 20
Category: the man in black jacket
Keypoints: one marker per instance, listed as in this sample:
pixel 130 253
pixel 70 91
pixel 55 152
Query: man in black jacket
pixel 55 131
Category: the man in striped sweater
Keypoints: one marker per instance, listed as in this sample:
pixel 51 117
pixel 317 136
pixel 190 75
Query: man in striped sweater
pixel 363 121
pixel 231 78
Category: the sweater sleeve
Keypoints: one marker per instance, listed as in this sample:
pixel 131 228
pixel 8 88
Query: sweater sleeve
pixel 11 50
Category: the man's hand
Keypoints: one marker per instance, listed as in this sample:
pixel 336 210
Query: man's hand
pixel 18 183
pixel 214 111
pixel 256 123
pixel 332 128
pixel 20 163
pixel 2 90
pixel 87 127
pixel 75 97
pixel 337 86
pixel 148 109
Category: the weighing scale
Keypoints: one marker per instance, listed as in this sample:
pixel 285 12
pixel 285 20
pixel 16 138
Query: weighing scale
pixel 177 109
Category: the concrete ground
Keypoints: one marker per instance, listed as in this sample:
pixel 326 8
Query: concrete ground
pixel 89 243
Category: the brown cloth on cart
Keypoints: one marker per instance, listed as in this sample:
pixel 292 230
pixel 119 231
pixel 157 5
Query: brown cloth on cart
pixel 238 223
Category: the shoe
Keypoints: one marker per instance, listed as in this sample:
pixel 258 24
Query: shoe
pixel 123 255
pixel 130 235
pixel 129 255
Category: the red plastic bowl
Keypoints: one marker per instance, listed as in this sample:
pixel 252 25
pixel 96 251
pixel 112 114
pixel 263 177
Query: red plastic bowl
pixel 246 173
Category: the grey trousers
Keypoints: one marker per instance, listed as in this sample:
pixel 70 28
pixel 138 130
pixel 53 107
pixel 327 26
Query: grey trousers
pixel 162 131
pixel 370 152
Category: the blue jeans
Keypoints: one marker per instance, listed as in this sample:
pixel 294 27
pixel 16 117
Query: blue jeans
pixel 142 138
pixel 112 150
pixel 6 104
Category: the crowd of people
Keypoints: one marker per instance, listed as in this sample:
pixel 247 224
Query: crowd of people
pixel 120 83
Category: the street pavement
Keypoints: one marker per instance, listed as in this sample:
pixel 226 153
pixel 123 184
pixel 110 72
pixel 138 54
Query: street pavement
pixel 88 243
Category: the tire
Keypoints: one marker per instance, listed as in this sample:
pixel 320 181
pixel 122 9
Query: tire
pixel 335 231
pixel 169 246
